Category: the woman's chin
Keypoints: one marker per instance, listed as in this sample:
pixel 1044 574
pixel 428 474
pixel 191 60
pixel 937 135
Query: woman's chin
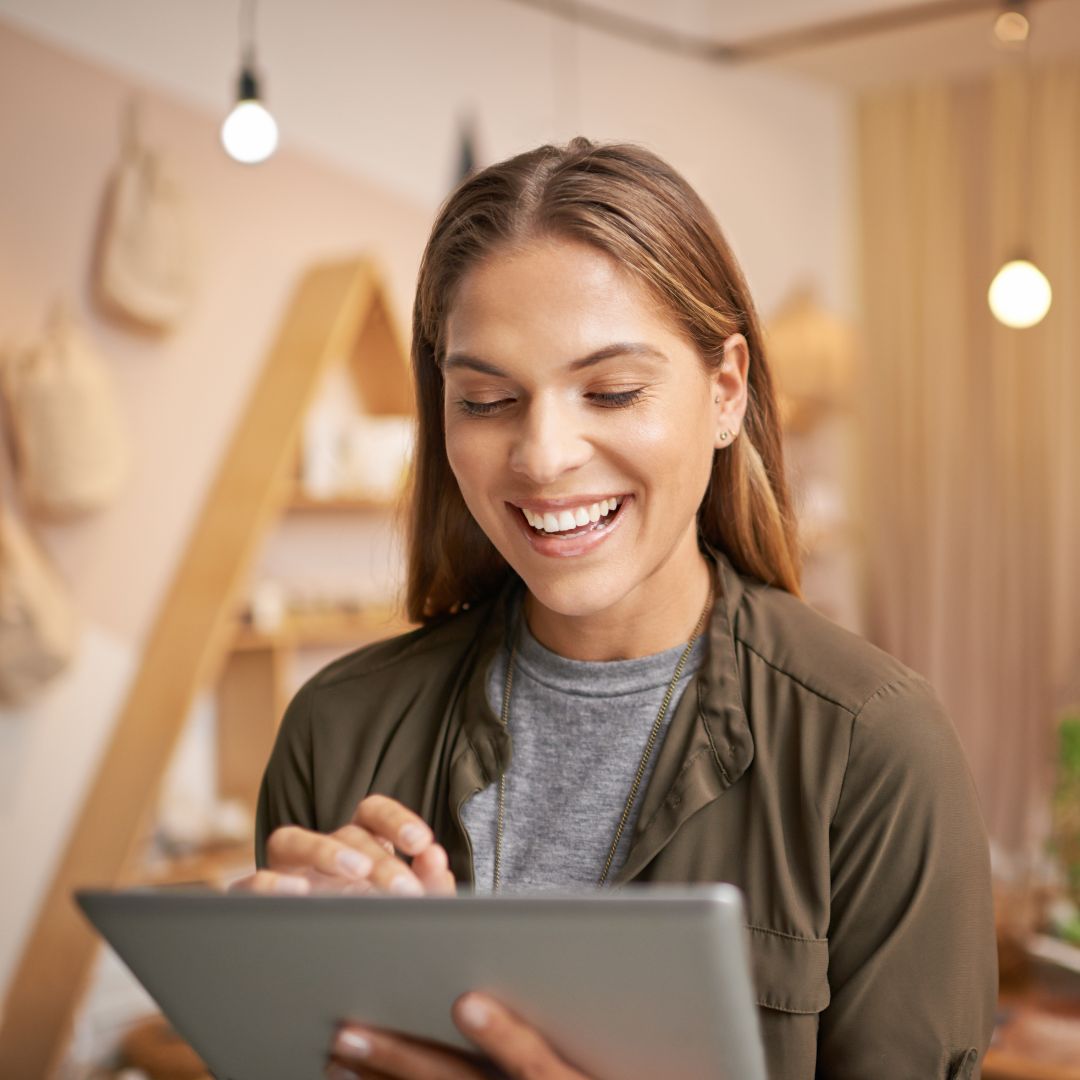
pixel 572 599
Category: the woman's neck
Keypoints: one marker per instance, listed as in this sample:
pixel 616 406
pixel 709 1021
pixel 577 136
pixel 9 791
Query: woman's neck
pixel 642 623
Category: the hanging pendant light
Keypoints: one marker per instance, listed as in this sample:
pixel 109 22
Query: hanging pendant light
pixel 1020 294
pixel 1012 26
pixel 250 133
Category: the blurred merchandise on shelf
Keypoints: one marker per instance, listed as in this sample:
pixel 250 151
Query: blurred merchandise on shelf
pixel 818 462
pixel 1065 836
pixel 812 356
pixel 349 452
pixel 376 455
pixel 278 610
pixel 187 823
pixel 267 608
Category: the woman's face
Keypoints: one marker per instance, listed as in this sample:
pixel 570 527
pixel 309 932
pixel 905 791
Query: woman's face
pixel 568 392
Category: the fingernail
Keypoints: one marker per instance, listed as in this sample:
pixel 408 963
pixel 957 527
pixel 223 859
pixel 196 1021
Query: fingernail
pixel 403 885
pixel 351 1044
pixel 474 1013
pixel 292 885
pixel 354 863
pixel 411 835
pixel 339 1072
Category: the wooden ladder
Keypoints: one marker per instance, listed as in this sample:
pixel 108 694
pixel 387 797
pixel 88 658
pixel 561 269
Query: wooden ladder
pixel 338 312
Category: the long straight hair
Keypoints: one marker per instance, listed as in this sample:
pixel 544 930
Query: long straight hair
pixel 629 203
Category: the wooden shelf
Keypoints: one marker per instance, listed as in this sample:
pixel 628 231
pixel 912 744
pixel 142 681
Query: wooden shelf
pixel 329 628
pixel 1037 1039
pixel 210 866
pixel 254 687
pixel 350 504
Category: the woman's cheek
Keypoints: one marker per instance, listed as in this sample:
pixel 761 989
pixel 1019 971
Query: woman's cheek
pixel 653 436
pixel 473 459
pixel 672 452
pixel 460 450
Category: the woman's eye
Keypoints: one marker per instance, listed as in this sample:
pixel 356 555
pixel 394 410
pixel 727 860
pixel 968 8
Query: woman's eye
pixel 614 399
pixel 479 408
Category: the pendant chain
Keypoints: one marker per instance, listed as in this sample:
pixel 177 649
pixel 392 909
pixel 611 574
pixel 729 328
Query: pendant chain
pixel 642 765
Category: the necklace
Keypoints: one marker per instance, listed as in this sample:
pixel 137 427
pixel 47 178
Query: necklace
pixel 505 718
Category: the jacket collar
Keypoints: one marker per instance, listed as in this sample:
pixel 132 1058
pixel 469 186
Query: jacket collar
pixel 720 703
pixel 708 746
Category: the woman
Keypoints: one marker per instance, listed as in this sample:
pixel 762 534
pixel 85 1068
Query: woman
pixel 602 554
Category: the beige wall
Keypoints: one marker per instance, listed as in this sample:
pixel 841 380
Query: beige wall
pixel 768 154
pixel 377 86
pixel 180 397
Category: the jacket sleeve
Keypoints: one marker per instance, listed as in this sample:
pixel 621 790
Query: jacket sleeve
pixel 286 795
pixel 912 953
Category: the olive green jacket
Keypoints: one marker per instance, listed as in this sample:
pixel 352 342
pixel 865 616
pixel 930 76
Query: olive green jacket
pixel 802 764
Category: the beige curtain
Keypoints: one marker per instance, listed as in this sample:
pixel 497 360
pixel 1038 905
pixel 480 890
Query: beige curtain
pixel 970 431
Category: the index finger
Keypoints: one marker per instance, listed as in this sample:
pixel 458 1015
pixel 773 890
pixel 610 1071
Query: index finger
pixel 386 817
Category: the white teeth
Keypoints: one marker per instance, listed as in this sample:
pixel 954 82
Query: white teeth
pixel 565 520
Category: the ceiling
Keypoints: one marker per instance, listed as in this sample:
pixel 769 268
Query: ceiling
pixel 344 48
pixel 123 33
pixel 948 45
pixel 727 20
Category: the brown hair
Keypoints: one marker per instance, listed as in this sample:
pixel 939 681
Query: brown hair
pixel 626 201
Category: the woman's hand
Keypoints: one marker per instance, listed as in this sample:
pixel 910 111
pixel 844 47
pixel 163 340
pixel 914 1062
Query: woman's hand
pixel 360 857
pixel 516 1048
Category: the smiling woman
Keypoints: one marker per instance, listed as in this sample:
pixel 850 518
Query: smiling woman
pixel 602 555
pixel 633 426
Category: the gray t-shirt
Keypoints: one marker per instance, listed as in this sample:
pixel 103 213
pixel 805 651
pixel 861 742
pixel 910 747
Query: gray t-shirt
pixel 579 729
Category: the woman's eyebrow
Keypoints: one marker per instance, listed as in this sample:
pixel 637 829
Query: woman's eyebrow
pixel 620 348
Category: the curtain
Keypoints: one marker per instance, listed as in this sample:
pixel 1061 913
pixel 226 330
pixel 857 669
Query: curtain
pixel 969 471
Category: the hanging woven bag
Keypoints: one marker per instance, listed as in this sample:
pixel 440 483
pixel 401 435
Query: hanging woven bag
pixel 38 622
pixel 146 254
pixel 71 442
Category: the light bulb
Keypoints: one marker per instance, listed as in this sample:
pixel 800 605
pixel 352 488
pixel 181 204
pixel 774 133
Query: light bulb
pixel 250 133
pixel 1019 295
pixel 1011 28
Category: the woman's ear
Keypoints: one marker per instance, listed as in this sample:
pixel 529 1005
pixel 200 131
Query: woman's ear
pixel 729 388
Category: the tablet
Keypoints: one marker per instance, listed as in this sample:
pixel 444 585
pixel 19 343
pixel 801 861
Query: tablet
pixel 635 984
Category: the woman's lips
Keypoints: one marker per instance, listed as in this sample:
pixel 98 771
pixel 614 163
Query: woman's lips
pixel 550 544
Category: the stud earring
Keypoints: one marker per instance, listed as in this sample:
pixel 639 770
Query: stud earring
pixel 724 436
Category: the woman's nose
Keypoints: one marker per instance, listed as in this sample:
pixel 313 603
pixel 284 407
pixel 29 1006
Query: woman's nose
pixel 549 442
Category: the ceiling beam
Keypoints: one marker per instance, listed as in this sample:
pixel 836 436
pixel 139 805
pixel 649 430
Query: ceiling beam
pixel 762 46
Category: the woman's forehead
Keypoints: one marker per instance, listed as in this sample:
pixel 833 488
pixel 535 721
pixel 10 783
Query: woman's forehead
pixel 571 293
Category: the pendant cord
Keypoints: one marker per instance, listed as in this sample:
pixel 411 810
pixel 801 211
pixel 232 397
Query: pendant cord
pixel 247 32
